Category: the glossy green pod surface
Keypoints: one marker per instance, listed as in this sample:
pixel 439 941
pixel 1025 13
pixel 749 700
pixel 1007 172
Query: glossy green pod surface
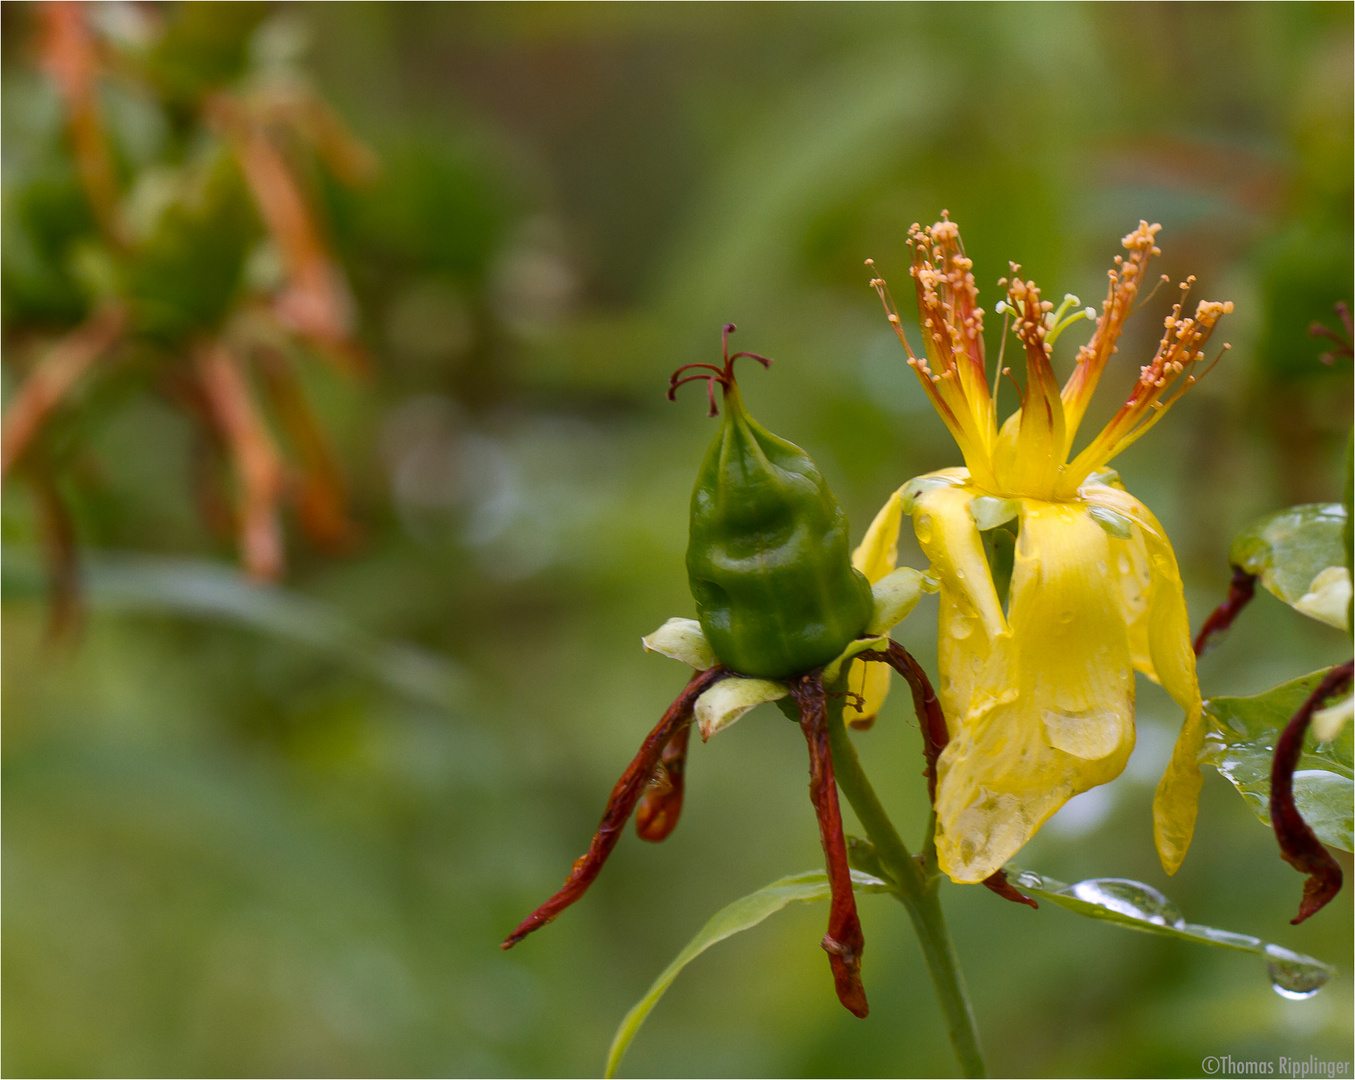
pixel 768 555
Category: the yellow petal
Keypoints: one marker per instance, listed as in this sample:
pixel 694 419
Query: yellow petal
pixel 971 618
pixel 871 683
pixel 1048 710
pixel 875 557
pixel 878 552
pixel 1173 664
pixel 1130 559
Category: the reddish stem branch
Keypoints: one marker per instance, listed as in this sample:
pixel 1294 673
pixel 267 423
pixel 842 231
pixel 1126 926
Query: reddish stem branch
pixel 1240 591
pixel 321 499
pixel 620 805
pixel 1299 845
pixel 935 735
pixel 254 456
pixel 659 809
pixel 930 718
pixel 71 56
pixel 844 941
pixel 54 376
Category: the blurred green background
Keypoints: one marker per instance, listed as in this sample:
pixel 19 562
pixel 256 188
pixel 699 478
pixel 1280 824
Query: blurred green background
pixel 281 830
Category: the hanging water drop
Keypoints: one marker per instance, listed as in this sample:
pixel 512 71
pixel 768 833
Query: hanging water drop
pixel 1293 976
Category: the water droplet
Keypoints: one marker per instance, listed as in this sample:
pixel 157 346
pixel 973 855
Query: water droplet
pixel 958 572
pixel 1293 976
pixel 1088 734
pixel 923 528
pixel 1065 617
pixel 1027 879
pixel 1133 899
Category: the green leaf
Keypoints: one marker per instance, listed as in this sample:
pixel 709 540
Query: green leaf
pixel 1137 906
pixel 742 914
pixel 1299 555
pixel 1241 744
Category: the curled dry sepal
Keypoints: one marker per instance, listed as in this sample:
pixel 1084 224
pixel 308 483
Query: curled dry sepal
pixel 1299 845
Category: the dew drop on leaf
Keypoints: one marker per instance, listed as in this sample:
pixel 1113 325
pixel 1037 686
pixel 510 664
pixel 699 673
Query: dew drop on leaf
pixel 1131 898
pixel 1293 977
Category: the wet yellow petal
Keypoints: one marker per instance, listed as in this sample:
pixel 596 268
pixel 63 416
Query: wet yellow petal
pixel 1048 711
pixel 875 557
pixel 971 616
pixel 1173 663
pixel 1130 559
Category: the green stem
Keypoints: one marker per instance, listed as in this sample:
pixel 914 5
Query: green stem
pixel 916 890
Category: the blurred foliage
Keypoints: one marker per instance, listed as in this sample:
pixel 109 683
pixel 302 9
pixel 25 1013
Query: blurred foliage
pixel 233 848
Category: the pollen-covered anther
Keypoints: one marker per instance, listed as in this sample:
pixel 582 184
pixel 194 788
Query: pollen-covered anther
pixel 945 230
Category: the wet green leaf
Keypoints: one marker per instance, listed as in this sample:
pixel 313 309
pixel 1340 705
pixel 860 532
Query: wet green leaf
pixel 1299 555
pixel 742 914
pixel 1241 743
pixel 1137 906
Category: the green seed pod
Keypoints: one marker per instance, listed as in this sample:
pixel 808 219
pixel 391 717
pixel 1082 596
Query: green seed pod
pixel 768 553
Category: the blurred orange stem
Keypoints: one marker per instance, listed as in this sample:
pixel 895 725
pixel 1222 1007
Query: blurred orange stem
pixel 52 379
pixel 72 60
pixel 322 500
pixel 257 465
pixel 316 300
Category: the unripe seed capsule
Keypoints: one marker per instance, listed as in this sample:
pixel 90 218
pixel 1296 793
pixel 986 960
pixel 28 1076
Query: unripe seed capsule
pixel 768 555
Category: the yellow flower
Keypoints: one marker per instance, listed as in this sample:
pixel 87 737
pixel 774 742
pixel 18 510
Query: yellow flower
pixel 1039 695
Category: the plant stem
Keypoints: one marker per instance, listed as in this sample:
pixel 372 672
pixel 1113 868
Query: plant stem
pixel 916 890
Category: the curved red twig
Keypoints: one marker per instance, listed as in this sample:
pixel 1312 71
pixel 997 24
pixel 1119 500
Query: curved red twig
pixel 1299 845
pixel 1240 592
pixel 625 795
pixel 844 941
